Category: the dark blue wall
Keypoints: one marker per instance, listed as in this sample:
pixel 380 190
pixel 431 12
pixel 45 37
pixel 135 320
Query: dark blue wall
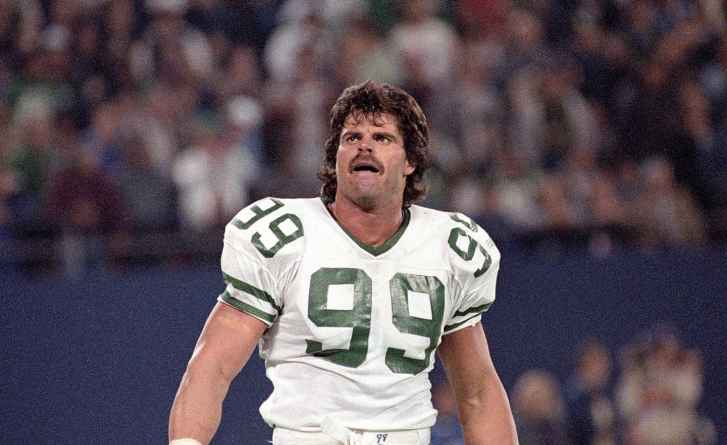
pixel 99 360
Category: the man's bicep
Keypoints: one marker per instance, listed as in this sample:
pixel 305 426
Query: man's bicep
pixel 228 339
pixel 465 355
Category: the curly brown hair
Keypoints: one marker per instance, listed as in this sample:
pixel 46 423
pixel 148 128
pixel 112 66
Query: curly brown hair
pixel 372 98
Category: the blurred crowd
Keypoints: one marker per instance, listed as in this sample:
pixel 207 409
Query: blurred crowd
pixel 570 124
pixel 653 398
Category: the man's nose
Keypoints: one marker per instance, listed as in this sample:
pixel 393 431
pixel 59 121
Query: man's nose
pixel 366 144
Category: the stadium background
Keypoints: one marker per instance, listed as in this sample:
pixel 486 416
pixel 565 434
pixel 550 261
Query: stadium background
pixel 588 137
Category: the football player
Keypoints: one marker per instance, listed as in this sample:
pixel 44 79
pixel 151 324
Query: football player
pixel 348 296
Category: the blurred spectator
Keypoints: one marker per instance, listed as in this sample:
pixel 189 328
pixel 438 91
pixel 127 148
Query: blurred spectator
pixel 602 56
pixel 102 139
pixel 480 20
pixel 524 43
pixel 87 208
pixel 713 80
pixel 178 52
pixel 591 413
pixel 568 122
pixel 559 213
pixel 300 105
pixel 212 176
pixel 607 212
pixel 516 187
pixel 8 189
pixel 301 25
pixel 119 19
pixel 365 54
pixel 714 167
pixel 242 74
pixel 427 49
pixel 244 126
pixel 9 28
pixel 426 44
pixel 697 138
pixel 149 196
pixel 665 213
pixel 44 62
pixel 659 390
pixel 88 73
pixel 605 206
pixel 491 216
pixel 539 409
pixel 521 78
pixel 641 27
pixel 652 128
pixel 29 159
pixel 476 121
pixel 482 25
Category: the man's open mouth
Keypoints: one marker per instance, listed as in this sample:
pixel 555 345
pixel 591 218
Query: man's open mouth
pixel 365 166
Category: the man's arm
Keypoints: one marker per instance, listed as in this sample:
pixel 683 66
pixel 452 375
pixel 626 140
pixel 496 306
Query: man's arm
pixel 484 410
pixel 228 339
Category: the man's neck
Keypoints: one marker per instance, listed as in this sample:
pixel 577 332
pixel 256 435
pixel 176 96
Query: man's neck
pixel 372 227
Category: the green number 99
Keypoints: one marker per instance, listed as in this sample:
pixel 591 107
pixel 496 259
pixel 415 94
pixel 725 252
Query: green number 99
pixel 428 290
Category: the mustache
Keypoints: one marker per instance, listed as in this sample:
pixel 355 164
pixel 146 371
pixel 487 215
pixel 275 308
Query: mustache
pixel 366 159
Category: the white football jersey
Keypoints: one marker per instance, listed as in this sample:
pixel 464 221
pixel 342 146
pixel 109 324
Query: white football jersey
pixel 353 328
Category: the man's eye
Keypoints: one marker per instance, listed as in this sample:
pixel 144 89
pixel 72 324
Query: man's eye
pixel 351 138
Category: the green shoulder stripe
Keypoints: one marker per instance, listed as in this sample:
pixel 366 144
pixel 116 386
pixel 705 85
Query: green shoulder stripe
pixel 246 308
pixel 250 289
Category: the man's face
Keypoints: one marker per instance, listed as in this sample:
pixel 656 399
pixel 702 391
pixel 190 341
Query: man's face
pixel 371 164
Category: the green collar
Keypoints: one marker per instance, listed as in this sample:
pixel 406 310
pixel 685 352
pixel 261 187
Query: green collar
pixel 387 245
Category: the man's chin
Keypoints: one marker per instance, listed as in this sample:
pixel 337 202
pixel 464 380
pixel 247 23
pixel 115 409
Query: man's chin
pixel 368 197
pixel 366 202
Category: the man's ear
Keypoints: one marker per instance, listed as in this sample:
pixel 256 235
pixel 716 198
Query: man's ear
pixel 409 168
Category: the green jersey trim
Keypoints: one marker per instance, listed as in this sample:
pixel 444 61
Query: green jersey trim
pixel 476 309
pixel 246 308
pixel 387 245
pixel 251 290
pixel 456 325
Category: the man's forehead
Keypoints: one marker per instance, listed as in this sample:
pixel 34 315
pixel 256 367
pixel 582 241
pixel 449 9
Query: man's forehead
pixel 379 119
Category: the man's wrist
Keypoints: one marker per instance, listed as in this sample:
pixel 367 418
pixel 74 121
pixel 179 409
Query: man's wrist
pixel 185 441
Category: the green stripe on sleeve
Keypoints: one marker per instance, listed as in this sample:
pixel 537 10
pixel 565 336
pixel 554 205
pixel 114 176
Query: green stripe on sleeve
pixel 477 309
pixel 251 290
pixel 246 308
pixel 456 325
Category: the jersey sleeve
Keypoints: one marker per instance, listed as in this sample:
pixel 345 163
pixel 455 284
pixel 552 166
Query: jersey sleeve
pixel 254 281
pixel 475 261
